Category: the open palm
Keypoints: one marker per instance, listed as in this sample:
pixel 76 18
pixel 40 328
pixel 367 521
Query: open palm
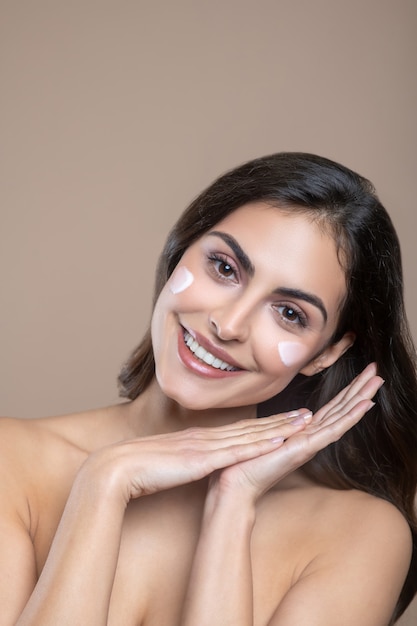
pixel 327 426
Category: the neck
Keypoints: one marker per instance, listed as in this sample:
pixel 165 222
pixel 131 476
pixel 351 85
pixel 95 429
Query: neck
pixel 157 413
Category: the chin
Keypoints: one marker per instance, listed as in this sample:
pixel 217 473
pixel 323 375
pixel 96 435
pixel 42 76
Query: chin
pixel 177 392
pixel 193 400
pixel 191 405
pixel 189 401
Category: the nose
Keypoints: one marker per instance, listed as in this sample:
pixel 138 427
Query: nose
pixel 231 322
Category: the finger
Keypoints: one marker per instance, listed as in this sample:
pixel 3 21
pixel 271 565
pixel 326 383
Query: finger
pixel 256 425
pixel 238 453
pixel 349 391
pixel 301 447
pixel 197 439
pixel 332 431
pixel 366 392
pixel 298 450
pixel 355 384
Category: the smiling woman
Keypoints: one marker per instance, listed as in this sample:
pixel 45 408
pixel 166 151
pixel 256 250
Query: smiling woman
pixel 264 314
pixel 278 294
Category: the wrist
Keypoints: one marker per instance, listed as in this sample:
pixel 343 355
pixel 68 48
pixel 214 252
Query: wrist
pixel 100 479
pixel 232 486
pixel 226 498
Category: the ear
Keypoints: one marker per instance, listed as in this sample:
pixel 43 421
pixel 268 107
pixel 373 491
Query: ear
pixel 329 355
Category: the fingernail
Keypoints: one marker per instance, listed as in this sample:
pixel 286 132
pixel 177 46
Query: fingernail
pixel 277 440
pixel 370 405
pixel 308 417
pixel 299 413
pixel 305 418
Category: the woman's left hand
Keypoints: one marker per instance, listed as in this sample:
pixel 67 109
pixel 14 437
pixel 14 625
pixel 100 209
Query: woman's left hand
pixel 333 420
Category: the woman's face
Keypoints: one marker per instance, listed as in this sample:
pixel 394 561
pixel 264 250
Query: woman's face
pixel 252 303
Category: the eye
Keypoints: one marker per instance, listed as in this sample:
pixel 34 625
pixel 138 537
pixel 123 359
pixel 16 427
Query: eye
pixel 222 268
pixel 292 315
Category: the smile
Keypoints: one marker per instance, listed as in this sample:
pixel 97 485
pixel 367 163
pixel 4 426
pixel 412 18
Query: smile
pixel 205 356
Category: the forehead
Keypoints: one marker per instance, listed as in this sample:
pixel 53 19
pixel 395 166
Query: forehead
pixel 262 212
pixel 289 248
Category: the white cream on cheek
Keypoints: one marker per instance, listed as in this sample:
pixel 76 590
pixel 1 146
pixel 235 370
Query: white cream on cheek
pixel 292 353
pixel 180 279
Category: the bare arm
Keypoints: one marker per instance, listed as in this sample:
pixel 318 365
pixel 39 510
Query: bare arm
pixel 76 583
pixel 356 583
pixel 221 587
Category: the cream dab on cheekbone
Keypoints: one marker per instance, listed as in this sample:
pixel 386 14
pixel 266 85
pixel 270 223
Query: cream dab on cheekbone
pixel 180 279
pixel 291 352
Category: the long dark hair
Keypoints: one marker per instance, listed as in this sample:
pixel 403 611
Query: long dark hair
pixel 378 455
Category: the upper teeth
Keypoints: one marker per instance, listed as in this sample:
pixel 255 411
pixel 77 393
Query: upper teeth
pixel 206 356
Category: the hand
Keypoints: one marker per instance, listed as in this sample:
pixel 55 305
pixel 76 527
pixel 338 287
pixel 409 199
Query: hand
pixel 258 475
pixel 133 468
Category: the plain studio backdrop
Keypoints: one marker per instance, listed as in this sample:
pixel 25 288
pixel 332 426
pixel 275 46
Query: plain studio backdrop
pixel 115 114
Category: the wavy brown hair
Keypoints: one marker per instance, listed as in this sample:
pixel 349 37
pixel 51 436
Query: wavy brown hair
pixel 379 454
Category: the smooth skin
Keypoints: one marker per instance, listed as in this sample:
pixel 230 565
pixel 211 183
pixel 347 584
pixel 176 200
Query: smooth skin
pixel 117 563
pixel 179 508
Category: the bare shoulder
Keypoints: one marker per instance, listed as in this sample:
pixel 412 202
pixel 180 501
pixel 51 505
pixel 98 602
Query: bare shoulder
pixel 38 461
pixel 359 525
pixel 29 449
pixel 39 453
pixel 20 439
pixel 86 431
pixel 381 542
pixel 332 521
pixel 368 522
pixel 351 559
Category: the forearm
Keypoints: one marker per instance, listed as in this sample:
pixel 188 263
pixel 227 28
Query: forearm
pixel 220 589
pixel 76 583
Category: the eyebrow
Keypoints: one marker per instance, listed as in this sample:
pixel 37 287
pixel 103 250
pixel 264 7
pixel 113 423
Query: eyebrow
pixel 299 294
pixel 241 256
pixel 288 292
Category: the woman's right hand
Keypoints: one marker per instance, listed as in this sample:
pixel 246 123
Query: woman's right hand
pixel 143 466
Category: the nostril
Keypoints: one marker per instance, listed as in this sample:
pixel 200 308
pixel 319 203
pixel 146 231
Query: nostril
pixel 214 325
pixel 229 325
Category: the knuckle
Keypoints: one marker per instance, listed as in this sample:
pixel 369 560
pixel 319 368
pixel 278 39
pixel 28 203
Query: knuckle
pixel 335 432
pixel 239 454
pixel 251 437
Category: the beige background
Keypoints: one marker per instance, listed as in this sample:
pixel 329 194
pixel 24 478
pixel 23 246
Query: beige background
pixel 115 114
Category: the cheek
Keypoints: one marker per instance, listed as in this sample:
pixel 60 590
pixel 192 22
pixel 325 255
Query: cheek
pixel 180 280
pixel 292 353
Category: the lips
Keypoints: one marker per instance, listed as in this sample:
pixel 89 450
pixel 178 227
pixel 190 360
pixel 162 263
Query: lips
pixel 206 356
pixel 203 358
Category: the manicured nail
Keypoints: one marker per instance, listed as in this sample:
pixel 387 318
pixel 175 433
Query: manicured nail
pixel 305 418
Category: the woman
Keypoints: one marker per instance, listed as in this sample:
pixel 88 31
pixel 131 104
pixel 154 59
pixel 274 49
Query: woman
pixel 279 288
